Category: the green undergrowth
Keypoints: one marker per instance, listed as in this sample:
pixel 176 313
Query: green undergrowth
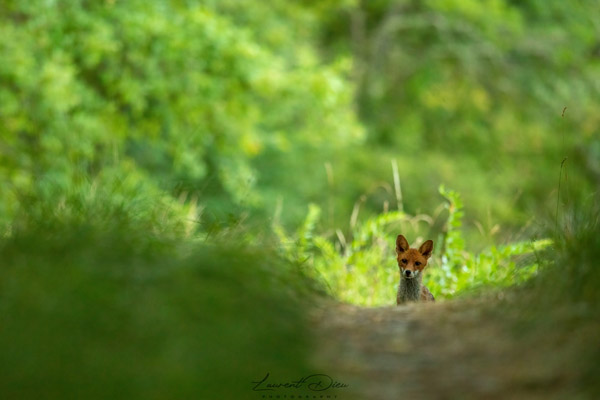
pixel 555 316
pixel 360 267
pixel 568 297
pixel 108 308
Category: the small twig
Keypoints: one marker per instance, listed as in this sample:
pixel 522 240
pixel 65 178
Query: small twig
pixel 562 164
pixel 558 194
pixel 355 210
pixel 397 187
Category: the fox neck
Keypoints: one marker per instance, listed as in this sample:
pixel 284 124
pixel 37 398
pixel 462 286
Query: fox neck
pixel 409 289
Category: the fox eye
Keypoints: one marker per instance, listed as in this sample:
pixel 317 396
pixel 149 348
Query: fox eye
pixel 417 263
pixel 404 260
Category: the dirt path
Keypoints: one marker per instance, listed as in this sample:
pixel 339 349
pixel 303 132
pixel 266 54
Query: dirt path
pixel 451 350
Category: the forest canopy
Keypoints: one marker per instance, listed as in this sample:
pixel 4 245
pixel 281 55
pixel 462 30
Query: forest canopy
pixel 243 108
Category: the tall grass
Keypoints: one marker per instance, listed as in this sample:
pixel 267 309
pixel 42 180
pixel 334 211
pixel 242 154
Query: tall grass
pixel 360 267
pixel 556 316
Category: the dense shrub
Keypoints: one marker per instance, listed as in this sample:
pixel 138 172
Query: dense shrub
pixel 182 97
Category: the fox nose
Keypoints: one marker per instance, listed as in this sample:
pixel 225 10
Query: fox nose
pixel 407 272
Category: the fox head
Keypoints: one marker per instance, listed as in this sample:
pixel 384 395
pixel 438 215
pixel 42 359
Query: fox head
pixel 412 261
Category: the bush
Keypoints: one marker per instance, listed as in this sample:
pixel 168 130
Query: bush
pixel 184 98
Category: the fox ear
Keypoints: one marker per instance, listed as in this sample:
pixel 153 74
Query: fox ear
pixel 426 248
pixel 401 244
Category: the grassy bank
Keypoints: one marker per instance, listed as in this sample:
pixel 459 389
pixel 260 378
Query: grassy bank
pixel 114 311
pixel 560 308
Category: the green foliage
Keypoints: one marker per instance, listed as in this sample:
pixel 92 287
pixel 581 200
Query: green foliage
pixel 454 244
pixel 111 203
pixel 239 105
pixel 142 142
pixel 571 274
pixel 461 271
pixel 470 94
pixel 174 96
pixel 561 304
pixel 361 269
pixel 97 310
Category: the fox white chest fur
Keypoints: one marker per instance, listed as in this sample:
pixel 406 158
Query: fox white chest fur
pixel 409 289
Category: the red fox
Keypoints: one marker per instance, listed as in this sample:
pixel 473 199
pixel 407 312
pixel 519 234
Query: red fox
pixel 412 262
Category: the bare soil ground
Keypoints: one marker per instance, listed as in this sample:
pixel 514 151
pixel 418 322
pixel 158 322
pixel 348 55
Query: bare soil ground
pixel 449 350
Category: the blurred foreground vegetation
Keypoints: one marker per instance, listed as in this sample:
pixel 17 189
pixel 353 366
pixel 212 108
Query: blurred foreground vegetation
pixel 100 310
pixel 180 179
